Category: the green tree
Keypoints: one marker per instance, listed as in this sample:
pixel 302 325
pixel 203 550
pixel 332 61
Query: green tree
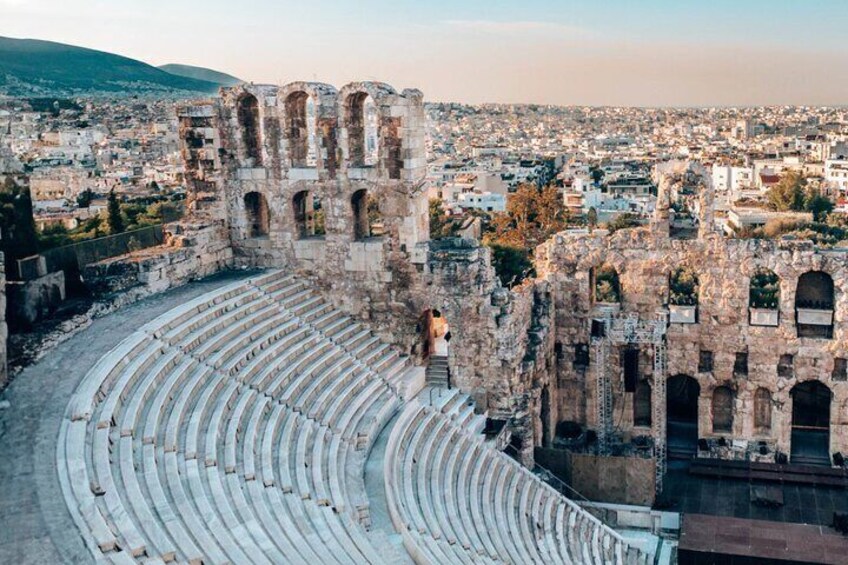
pixel 683 287
pixel 17 225
pixel 440 225
pixel 84 198
pixel 114 217
pixel 597 174
pixel 819 205
pixel 512 264
pixel 789 194
pixel 624 221
pixel 592 219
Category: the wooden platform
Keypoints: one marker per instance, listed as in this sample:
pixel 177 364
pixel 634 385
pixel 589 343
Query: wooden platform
pixel 722 540
pixel 795 474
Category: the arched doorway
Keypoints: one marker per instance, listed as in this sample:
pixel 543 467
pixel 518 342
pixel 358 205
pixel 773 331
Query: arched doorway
pixel 682 416
pixel 435 337
pixel 435 333
pixel 811 423
pixel 258 216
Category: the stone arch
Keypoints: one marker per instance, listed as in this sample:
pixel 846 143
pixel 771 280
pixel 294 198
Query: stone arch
pixel 308 214
pixel 362 136
pixel 258 214
pixel 300 129
pixel 762 410
pixel 814 304
pixel 373 135
pixel 642 404
pixel 722 409
pixel 247 110
pixel 367 217
pixel 811 407
pixel 321 128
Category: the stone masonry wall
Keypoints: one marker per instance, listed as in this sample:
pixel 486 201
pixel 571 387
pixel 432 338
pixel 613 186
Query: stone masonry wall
pixel 644 259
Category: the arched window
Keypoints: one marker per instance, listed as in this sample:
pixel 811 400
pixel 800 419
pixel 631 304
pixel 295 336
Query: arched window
pixel 607 286
pixel 248 120
pixel 362 130
pixel 762 410
pixel 642 404
pixel 308 214
pixel 814 302
pixel 258 215
pixel 683 287
pixel 764 291
pixel 367 219
pixel 722 409
pixel 300 129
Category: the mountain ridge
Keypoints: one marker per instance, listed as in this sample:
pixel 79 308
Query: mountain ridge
pixel 35 67
pixel 201 73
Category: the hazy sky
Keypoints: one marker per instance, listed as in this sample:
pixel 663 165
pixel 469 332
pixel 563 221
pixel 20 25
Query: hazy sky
pixel 638 52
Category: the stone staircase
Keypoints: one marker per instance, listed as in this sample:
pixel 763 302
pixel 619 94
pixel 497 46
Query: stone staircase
pixel 437 371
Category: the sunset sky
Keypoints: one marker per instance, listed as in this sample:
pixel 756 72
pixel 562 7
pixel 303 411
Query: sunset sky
pixel 640 52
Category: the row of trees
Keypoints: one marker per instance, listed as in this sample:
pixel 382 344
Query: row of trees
pixel 794 194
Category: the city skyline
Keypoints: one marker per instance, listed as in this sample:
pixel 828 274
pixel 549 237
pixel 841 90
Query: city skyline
pixel 655 53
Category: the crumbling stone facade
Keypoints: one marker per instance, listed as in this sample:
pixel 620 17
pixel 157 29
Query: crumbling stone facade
pixel 331 184
pixel 746 361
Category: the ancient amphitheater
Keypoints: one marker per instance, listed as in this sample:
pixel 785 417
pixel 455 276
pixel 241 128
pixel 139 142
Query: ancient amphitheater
pixel 275 392
pixel 236 428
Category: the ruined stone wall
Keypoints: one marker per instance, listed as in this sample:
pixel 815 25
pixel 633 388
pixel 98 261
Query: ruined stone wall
pixel 190 251
pixel 264 160
pixel 500 351
pixel 502 344
pixel 644 260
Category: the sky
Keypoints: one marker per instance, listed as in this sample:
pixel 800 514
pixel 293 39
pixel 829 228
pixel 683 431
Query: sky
pixel 587 52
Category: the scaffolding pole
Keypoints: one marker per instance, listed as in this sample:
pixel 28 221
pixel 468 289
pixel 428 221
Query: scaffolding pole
pixel 603 392
pixel 659 413
pixel 630 330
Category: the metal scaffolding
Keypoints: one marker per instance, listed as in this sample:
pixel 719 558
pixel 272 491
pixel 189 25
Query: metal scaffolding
pixel 618 330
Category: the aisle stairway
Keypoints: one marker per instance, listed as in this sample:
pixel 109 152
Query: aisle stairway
pixel 437 371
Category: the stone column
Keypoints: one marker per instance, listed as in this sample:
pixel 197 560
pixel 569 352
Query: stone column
pixel 661 223
pixel 706 199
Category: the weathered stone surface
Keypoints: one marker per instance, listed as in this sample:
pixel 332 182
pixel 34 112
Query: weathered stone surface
pixel 35 299
pixel 644 259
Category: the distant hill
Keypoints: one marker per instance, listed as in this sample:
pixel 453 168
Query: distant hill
pixel 32 67
pixel 201 73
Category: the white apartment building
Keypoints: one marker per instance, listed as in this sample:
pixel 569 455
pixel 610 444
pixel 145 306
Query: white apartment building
pixel 836 174
pixel 732 180
pixel 485 201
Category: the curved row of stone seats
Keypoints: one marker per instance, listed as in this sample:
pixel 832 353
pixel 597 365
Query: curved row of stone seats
pixel 231 430
pixel 455 499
